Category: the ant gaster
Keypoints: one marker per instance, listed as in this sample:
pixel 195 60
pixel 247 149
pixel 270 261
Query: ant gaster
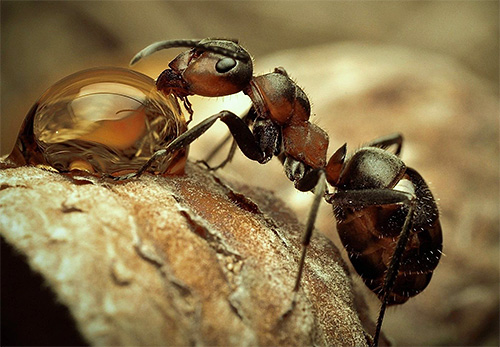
pixel 387 217
pixel 387 220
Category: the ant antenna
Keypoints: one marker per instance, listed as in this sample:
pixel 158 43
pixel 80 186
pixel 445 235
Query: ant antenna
pixel 158 46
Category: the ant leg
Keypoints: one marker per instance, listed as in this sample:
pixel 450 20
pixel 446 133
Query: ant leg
pixel 319 192
pixel 392 271
pixel 217 148
pixel 240 131
pixel 181 141
pixel 387 141
pixel 188 107
pixel 368 197
pixel 248 118
pixel 364 198
pixel 228 159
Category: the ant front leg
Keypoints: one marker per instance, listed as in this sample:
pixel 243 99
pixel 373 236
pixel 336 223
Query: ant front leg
pixel 216 150
pixel 180 142
pixel 248 118
pixel 244 138
pixel 229 156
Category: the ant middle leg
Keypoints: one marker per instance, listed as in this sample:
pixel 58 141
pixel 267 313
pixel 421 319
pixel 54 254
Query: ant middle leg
pixel 305 179
pixel 319 177
pixel 312 180
pixel 228 158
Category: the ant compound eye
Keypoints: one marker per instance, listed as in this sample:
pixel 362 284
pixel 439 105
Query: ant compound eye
pixel 101 120
pixel 225 64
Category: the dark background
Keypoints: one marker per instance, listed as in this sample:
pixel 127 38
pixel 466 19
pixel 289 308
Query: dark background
pixel 42 42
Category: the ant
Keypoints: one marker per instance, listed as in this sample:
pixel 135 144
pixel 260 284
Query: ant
pixel 386 215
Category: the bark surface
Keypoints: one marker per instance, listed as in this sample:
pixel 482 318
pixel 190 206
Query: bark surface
pixel 188 260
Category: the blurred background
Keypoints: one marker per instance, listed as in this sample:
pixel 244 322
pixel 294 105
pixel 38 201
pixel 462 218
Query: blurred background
pixel 426 69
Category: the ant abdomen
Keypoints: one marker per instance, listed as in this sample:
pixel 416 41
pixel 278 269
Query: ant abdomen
pixel 370 234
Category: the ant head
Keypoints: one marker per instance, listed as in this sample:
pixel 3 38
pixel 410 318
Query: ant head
pixel 213 67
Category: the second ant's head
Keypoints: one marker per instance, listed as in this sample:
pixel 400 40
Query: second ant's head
pixel 212 67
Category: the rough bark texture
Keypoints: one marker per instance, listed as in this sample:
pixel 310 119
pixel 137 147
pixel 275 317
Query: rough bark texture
pixel 190 260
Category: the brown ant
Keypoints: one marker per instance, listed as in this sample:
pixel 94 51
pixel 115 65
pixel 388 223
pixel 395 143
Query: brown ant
pixel 386 215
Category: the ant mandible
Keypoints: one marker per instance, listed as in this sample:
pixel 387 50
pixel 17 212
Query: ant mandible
pixel 386 215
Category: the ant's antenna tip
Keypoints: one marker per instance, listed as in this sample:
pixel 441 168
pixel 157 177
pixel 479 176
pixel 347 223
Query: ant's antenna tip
pixel 154 47
pixel 135 59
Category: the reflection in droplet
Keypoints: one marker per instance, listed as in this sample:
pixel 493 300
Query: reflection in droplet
pixel 105 120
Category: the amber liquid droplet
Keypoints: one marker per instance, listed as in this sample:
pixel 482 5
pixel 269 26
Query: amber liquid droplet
pixel 106 120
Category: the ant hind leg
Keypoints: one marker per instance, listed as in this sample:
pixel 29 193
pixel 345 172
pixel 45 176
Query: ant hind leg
pixel 374 197
pixel 392 271
pixel 385 142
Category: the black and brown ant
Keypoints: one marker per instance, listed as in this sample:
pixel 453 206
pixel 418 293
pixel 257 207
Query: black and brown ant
pixel 386 215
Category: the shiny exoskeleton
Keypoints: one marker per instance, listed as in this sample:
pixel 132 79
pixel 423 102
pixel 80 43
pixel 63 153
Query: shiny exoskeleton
pixel 369 230
pixel 387 218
